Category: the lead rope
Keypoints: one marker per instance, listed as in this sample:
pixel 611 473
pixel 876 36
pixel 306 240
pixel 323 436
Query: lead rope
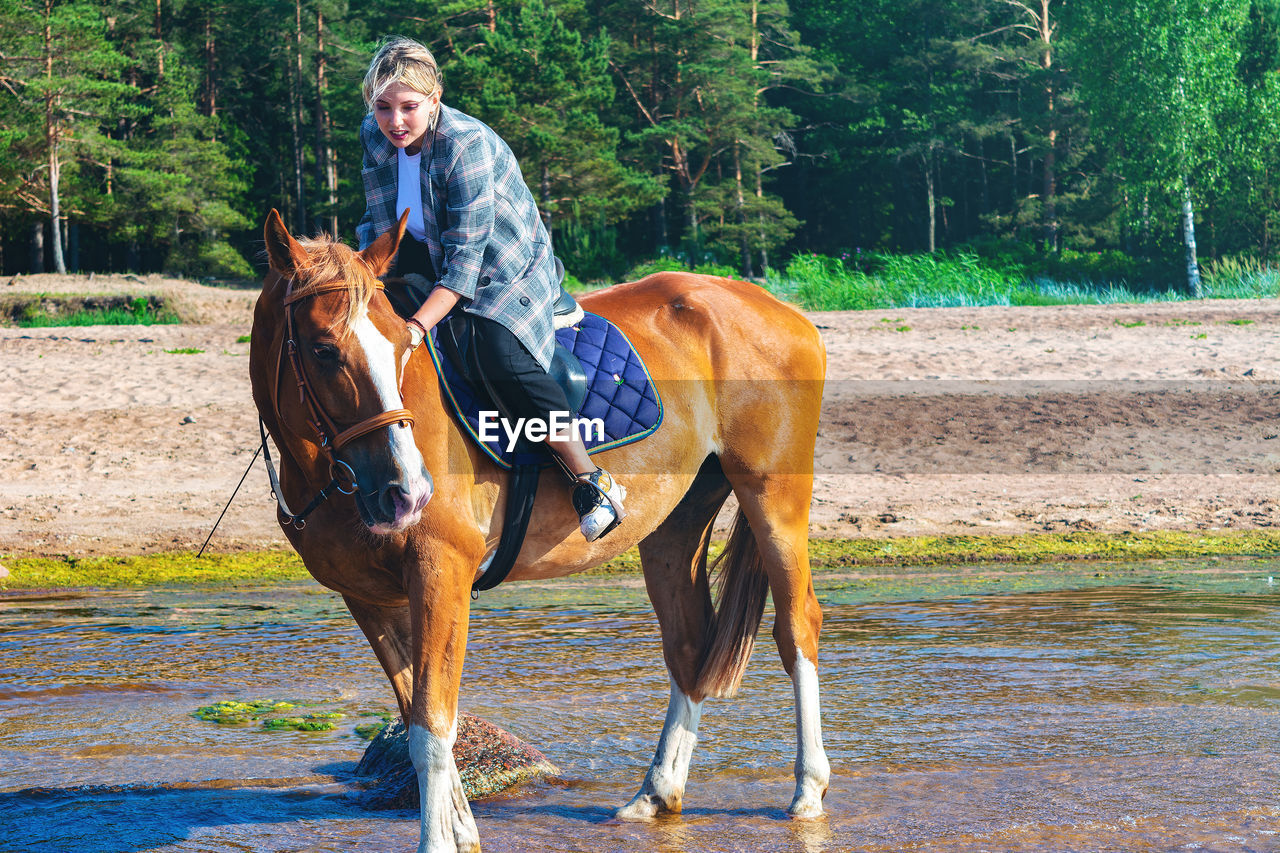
pixel 234 492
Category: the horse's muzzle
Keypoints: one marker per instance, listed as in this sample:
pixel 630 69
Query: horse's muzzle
pixel 398 505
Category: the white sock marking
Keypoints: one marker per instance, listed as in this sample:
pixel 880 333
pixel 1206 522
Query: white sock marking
pixel 446 823
pixel 813 771
pixel 664 784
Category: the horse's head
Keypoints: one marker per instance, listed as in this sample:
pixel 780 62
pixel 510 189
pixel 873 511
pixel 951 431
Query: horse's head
pixel 344 345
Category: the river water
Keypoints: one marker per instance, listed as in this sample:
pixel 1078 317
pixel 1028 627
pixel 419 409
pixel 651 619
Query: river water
pixel 1136 717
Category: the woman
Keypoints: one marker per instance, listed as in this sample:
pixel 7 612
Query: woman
pixel 475 237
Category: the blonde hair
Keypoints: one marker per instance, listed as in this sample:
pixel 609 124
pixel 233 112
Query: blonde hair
pixel 402 60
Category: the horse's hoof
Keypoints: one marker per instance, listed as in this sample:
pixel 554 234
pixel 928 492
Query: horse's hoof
pixel 643 807
pixel 806 808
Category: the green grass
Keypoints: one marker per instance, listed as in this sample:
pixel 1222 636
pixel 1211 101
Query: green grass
pixel 184 351
pixel 43 311
pixel 821 283
pixel 259 567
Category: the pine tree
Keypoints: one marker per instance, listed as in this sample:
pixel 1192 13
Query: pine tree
pixel 63 76
pixel 174 184
pixel 542 88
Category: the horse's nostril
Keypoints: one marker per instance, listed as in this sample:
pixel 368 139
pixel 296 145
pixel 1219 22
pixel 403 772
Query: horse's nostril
pixel 392 501
pixel 397 501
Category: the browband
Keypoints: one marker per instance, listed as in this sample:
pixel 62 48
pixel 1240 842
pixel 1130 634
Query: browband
pixel 328 287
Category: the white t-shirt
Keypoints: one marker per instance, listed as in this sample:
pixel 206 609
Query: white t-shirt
pixel 409 192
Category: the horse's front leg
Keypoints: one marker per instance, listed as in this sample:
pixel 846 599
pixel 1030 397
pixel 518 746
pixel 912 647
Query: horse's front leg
pixel 438 613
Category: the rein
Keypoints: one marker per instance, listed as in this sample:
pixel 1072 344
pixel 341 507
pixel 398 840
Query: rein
pixel 331 437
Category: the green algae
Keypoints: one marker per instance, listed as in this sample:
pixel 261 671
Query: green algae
pixel 233 712
pixel 180 568
pixel 320 721
pixel 272 714
pixel 1038 548
pixel 369 731
pixel 162 569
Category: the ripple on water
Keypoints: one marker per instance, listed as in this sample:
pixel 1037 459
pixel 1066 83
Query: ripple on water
pixel 1119 719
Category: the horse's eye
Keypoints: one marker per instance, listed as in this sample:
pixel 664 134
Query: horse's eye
pixel 327 353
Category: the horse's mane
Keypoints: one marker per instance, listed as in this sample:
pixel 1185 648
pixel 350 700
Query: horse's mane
pixel 328 261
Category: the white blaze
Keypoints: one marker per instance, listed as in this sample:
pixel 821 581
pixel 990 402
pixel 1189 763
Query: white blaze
pixel 380 355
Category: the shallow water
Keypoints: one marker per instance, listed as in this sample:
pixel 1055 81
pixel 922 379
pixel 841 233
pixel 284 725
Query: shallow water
pixel 1115 718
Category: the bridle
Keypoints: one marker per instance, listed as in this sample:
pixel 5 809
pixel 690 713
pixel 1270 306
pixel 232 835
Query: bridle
pixel 331 438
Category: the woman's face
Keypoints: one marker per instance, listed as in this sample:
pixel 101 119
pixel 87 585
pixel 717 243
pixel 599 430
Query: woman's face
pixel 403 115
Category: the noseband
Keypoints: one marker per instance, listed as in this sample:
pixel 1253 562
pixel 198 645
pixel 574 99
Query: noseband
pixel 331 437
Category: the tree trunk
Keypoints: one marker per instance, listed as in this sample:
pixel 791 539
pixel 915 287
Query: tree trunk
pixel 931 201
pixel 741 218
pixel 326 166
pixel 764 244
pixel 493 17
pixel 659 214
pixel 52 134
pixel 295 122
pixel 159 41
pixel 1013 184
pixel 37 248
pixel 210 66
pixel 1049 183
pixel 1189 240
pixel 691 223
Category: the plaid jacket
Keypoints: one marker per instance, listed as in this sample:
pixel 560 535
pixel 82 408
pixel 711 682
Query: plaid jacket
pixel 483 230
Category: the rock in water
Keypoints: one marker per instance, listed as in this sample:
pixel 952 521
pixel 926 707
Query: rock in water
pixel 489 760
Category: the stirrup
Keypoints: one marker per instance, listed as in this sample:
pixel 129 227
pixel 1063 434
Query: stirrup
pixel 597 498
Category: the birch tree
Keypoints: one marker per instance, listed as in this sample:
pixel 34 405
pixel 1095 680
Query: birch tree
pixel 1157 73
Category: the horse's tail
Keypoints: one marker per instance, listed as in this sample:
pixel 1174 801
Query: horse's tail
pixel 743 588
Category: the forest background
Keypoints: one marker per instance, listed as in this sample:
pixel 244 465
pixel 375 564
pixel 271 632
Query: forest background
pixel 1093 145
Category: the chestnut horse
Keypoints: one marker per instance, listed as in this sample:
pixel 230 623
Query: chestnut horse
pixel 740 375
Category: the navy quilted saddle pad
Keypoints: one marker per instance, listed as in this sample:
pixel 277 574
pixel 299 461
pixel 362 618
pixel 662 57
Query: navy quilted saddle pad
pixel 620 392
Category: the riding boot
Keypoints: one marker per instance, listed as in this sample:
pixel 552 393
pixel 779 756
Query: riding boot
pixel 597 498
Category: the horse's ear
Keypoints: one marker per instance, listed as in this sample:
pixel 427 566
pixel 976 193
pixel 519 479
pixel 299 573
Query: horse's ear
pixel 379 253
pixel 283 252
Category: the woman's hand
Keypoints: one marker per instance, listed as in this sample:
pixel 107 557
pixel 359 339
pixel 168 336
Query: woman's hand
pixel 439 303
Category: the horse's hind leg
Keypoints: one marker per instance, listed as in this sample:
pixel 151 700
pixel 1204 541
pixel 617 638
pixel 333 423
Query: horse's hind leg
pixel 675 572
pixel 777 508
